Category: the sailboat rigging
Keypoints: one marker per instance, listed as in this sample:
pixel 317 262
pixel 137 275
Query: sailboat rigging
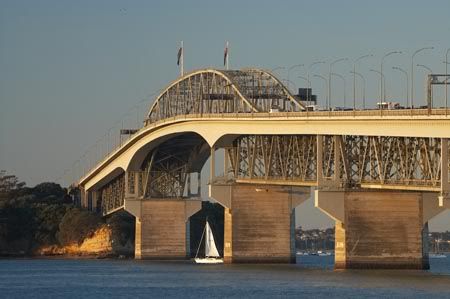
pixel 211 254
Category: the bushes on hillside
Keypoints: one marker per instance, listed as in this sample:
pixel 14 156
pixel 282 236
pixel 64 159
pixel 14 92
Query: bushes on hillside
pixel 76 225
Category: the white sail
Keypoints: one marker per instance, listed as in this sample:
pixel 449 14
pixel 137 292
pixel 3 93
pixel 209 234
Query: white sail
pixel 210 245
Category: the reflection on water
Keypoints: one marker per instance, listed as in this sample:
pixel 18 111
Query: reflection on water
pixel 312 276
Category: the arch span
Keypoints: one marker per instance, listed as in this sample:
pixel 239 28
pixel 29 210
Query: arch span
pixel 223 91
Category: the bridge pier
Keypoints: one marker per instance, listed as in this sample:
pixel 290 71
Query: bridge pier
pixel 259 221
pixel 162 227
pixel 380 229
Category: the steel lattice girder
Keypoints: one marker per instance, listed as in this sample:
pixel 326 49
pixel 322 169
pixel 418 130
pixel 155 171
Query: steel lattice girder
pixel 113 194
pixel 401 161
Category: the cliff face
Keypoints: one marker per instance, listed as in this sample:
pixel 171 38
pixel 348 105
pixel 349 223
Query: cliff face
pixel 101 243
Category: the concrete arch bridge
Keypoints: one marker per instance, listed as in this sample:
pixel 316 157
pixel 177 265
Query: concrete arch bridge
pixel 380 174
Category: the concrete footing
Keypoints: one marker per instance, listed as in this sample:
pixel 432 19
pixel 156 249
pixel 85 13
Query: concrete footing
pixel 378 229
pixel 259 222
pixel 162 227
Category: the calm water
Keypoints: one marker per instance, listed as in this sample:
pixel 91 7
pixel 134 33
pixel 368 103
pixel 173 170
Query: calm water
pixel 314 277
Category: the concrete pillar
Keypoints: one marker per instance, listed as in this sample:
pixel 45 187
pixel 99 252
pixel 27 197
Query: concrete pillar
pixel 380 229
pixel 259 222
pixel 83 197
pixel 162 227
pixel 228 236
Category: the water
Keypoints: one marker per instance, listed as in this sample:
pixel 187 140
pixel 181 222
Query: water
pixel 314 277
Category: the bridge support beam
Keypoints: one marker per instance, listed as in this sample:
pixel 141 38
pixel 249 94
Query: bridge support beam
pixel 162 227
pixel 378 229
pixel 259 221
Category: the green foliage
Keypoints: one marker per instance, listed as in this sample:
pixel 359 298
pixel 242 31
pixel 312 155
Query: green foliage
pixel 42 215
pixel 76 225
pixel 122 226
pixel 47 218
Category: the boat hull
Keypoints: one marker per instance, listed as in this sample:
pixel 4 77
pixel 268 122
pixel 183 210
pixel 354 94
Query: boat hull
pixel 208 260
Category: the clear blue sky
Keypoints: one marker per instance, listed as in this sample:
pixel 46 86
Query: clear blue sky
pixel 70 69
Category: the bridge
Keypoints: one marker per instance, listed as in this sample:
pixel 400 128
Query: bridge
pixel 380 174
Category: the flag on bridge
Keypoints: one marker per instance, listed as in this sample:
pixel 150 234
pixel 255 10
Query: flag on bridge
pixel 225 55
pixel 180 52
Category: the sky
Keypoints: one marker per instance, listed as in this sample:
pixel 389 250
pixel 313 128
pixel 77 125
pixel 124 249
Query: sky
pixel 71 70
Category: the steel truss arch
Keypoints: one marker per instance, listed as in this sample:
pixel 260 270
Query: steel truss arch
pixel 210 91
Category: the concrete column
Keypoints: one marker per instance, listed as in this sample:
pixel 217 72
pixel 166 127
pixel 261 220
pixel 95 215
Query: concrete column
pixel 83 197
pixel 138 240
pixel 380 229
pixel 94 200
pixel 162 227
pixel 259 222
pixel 212 164
pixel 228 236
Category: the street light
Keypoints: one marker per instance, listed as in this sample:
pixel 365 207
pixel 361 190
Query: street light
pixel 425 67
pixel 288 82
pixel 326 84
pixel 412 72
pixel 343 79
pixel 430 89
pixel 289 71
pixel 364 88
pixel 382 79
pixel 308 83
pixel 446 83
pixel 329 76
pixel 277 68
pixel 308 96
pixel 354 77
pixel 407 82
pixel 383 96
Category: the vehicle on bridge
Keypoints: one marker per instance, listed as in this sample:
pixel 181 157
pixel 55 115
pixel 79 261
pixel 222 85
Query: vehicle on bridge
pixel 389 105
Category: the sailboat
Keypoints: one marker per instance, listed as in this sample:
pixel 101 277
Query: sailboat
pixel 211 254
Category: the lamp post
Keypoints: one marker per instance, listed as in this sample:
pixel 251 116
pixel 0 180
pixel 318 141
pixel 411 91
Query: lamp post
pixel 289 71
pixel 343 79
pixel 381 78
pixel 354 77
pixel 308 96
pixel 383 94
pixel 364 88
pixel 407 82
pixel 308 83
pixel 412 72
pixel 329 76
pixel 430 89
pixel 425 67
pixel 326 84
pixel 446 81
pixel 277 68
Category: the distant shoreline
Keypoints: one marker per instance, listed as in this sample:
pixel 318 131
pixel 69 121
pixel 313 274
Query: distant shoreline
pixel 65 257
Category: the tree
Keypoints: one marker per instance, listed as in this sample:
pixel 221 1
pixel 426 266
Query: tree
pixel 76 225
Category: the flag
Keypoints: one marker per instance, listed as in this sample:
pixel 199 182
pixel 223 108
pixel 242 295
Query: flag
pixel 180 52
pixel 225 54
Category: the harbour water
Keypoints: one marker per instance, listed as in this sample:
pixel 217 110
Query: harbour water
pixel 312 276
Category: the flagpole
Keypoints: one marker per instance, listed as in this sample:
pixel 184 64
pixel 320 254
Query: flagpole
pixel 228 56
pixel 182 60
